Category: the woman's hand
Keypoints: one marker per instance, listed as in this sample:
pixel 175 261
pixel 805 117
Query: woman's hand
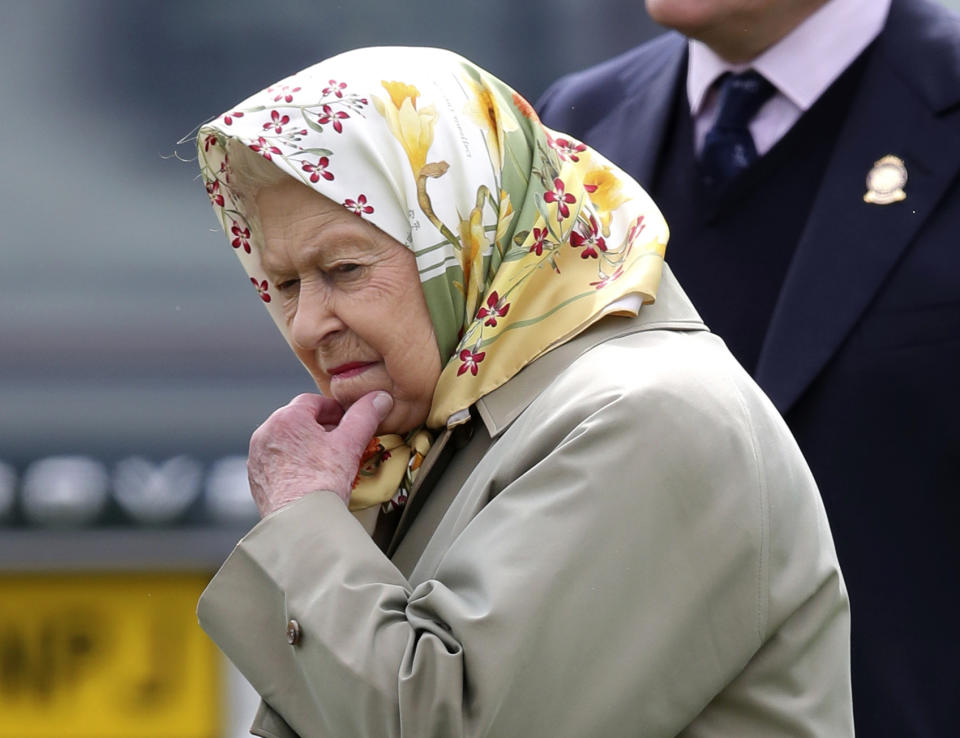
pixel 311 444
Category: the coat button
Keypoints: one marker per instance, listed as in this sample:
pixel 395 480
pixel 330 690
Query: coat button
pixel 293 632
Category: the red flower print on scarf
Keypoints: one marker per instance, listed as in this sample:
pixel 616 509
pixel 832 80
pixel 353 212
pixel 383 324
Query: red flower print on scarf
pixel 208 141
pixel 276 122
pixel 566 149
pixel 286 93
pixel 494 310
pixel 539 240
pixel 213 192
pixel 587 235
pixel 334 88
pixel 261 288
pixel 263 147
pixel 318 170
pixel 228 117
pixel 560 196
pixel 358 206
pixel 328 115
pixel 241 237
pixel 470 361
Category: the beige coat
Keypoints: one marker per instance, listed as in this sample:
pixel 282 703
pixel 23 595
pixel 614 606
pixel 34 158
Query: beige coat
pixel 628 544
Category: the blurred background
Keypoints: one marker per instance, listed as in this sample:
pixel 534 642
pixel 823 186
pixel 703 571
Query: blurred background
pixel 135 360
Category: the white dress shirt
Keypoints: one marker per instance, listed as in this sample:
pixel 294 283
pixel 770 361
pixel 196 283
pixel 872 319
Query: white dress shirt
pixel 802 65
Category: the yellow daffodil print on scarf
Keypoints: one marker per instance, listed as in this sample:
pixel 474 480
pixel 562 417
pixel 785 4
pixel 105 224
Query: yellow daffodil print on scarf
pixel 523 236
pixel 474 244
pixel 494 119
pixel 606 192
pixel 411 125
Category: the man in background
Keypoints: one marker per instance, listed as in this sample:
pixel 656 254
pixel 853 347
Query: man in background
pixel 806 155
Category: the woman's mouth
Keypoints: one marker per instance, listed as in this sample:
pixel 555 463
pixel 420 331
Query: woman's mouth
pixel 350 369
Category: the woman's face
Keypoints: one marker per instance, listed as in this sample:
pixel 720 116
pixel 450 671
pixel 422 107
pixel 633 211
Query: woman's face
pixel 352 301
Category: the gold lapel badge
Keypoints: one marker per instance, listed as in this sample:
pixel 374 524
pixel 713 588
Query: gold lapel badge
pixel 886 180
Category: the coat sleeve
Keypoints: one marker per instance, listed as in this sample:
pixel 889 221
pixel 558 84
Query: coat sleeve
pixel 609 569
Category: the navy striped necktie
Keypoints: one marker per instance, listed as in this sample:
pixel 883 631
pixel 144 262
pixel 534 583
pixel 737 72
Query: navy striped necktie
pixel 728 148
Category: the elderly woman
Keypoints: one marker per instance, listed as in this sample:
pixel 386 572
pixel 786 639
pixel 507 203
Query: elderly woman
pixel 535 496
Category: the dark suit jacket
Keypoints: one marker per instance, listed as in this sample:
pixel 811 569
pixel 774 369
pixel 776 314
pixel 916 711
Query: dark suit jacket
pixel 862 354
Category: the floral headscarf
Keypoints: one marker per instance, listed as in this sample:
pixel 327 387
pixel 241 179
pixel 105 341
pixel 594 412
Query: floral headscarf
pixel 523 236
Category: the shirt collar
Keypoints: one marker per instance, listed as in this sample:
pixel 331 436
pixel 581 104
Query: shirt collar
pixel 805 62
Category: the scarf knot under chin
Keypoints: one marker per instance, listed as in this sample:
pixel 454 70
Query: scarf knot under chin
pixel 388 468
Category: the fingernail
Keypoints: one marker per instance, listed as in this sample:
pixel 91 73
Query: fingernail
pixel 382 403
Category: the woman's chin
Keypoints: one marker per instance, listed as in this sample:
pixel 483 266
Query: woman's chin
pixel 403 418
pixel 391 426
pixel 406 414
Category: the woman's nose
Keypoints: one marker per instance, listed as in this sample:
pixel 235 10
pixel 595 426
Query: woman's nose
pixel 315 318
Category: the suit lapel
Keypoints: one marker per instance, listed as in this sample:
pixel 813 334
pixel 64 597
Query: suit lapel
pixel 631 136
pixel 849 246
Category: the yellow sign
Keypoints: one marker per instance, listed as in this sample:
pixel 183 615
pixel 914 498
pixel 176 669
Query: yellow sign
pixel 105 656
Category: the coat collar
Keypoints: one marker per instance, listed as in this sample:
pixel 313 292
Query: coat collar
pixel 498 409
pixel 906 106
pixel 671 311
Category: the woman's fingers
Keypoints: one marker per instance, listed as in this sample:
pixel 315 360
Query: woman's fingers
pixel 325 410
pixel 357 425
pixel 308 400
pixel 360 421
pixel 328 412
pixel 311 444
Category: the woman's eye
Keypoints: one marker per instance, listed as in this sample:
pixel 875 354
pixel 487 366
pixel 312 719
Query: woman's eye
pixel 345 269
pixel 287 284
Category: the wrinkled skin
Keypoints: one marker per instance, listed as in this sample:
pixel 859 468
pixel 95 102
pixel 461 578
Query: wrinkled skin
pixel 357 319
pixel 311 445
